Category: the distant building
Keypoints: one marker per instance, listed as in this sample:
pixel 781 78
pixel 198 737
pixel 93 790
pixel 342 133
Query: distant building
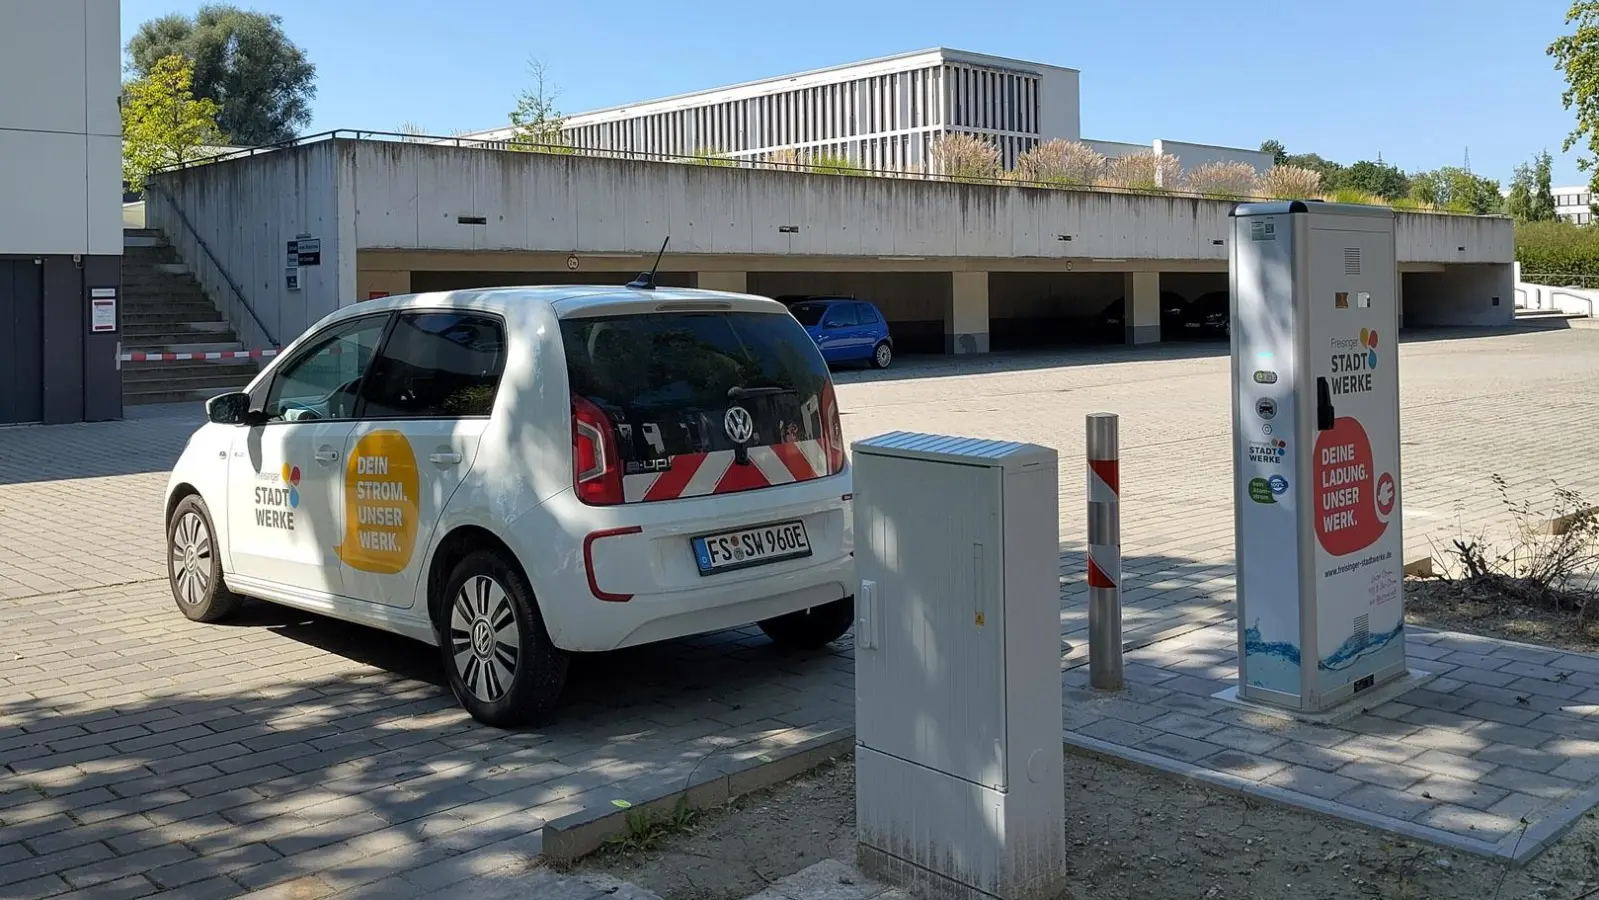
pixel 1572 204
pixel 880 114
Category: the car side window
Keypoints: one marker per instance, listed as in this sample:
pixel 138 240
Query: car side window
pixel 867 313
pixel 842 314
pixel 437 364
pixel 322 381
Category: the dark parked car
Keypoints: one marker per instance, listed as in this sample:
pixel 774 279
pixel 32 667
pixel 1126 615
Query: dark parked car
pixel 1210 315
pixel 1113 318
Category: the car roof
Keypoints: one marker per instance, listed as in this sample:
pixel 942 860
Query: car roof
pixel 574 300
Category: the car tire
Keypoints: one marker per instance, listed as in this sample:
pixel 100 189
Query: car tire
pixel 194 569
pixel 497 654
pixel 882 355
pixel 808 629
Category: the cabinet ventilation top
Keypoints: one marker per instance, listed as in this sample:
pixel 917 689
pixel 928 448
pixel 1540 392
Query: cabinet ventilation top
pixel 946 448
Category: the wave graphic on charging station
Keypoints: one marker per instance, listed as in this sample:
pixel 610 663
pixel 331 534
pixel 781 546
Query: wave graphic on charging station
pixel 1358 645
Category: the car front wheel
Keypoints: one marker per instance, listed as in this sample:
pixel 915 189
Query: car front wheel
pixel 808 629
pixel 194 568
pixel 498 656
pixel 882 355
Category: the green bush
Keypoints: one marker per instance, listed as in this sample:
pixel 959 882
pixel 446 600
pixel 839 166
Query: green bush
pixel 1557 252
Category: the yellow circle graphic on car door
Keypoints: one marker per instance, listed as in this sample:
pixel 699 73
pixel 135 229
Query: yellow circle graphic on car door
pixel 381 493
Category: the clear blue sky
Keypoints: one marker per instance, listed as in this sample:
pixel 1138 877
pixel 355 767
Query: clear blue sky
pixel 1419 81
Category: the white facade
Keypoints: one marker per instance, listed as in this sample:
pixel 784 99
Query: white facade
pixel 1571 204
pixel 60 127
pixel 882 114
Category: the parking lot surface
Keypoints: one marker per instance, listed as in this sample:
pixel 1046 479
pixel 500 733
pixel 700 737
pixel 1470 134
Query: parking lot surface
pixel 145 754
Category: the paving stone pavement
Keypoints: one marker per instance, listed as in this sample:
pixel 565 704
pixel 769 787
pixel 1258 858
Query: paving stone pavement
pixel 1497 754
pixel 144 754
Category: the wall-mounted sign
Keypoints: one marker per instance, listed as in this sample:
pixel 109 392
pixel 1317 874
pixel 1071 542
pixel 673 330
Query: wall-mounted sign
pixel 571 262
pixel 102 309
pixel 304 251
pixel 374 295
pixel 291 278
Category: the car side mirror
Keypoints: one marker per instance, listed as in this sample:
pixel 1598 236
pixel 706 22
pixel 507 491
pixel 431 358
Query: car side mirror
pixel 228 409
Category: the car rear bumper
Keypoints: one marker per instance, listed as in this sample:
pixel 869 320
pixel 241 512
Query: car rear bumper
pixel 641 552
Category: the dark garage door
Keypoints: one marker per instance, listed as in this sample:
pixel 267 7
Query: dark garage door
pixel 21 341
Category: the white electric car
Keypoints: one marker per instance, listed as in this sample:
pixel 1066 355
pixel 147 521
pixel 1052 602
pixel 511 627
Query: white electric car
pixel 516 474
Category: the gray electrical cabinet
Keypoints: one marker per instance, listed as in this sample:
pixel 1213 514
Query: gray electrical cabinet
pixel 959 785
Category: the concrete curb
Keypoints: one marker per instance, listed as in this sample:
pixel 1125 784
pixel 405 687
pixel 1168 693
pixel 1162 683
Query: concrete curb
pixel 573 836
pixel 1092 747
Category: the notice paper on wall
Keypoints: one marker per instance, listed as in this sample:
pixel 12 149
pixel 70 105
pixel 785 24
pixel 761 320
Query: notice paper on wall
pixel 102 309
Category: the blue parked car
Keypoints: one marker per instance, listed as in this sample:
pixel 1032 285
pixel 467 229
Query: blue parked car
pixel 846 330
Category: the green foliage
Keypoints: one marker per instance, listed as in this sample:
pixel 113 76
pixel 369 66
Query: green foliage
pixel 1379 178
pixel 1355 195
pixel 1454 189
pixel 1332 174
pixel 262 83
pixel 163 123
pixel 1531 197
pixel 832 164
pixel 1279 153
pixel 1557 252
pixel 536 123
pixel 1576 55
pixel 646 831
pixel 707 157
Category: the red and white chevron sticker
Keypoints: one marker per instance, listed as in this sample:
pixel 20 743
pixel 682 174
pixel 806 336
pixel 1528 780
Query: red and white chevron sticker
pixel 717 472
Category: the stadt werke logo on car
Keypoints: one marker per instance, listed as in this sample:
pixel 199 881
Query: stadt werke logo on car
pixel 275 503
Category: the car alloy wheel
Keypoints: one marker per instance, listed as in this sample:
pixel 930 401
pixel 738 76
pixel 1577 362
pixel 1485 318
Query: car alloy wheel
pixel 191 559
pixel 883 356
pixel 485 640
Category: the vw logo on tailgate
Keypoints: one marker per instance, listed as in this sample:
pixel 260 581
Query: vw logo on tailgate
pixel 738 425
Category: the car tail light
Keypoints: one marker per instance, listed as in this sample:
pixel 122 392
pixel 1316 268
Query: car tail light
pixel 832 430
pixel 596 466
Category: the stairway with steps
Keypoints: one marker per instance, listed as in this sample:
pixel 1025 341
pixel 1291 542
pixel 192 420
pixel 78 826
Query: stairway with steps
pixel 164 310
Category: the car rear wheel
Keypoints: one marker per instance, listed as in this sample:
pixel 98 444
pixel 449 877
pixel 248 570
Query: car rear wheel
pixel 882 355
pixel 194 568
pixel 498 656
pixel 814 627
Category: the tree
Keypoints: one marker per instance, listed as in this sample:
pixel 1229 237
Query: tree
pixel 242 61
pixel 1531 198
pixel 1279 153
pixel 1332 174
pixel 1379 178
pixel 163 123
pixel 536 123
pixel 1457 190
pixel 1576 55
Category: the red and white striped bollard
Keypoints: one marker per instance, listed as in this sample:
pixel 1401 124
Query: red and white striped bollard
pixel 1104 553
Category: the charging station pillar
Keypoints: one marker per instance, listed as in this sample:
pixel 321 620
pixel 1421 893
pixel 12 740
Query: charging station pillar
pixel 958 764
pixel 1317 509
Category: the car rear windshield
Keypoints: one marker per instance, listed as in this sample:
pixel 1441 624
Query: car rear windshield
pixel 667 381
pixel 808 314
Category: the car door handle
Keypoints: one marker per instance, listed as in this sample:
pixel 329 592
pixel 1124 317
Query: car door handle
pixel 326 454
pixel 449 458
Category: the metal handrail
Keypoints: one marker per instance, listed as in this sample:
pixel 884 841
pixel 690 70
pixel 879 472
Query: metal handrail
pixel 719 161
pixel 223 270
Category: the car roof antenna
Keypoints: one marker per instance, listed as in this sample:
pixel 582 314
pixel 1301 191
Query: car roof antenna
pixel 646 280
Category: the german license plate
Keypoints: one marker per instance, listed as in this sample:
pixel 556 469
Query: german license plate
pixel 728 550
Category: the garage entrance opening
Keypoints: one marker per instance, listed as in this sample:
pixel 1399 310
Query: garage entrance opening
pixel 21 341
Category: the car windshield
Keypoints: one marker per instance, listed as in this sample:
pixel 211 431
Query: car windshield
pixel 667 380
pixel 809 314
